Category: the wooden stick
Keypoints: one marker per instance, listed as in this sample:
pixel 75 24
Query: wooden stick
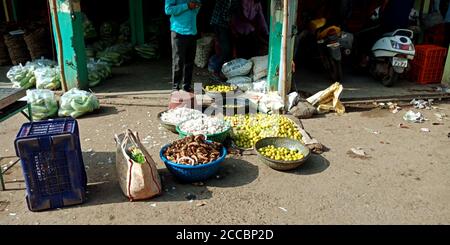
pixel 284 56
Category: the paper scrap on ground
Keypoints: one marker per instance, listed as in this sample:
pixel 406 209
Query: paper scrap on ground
pixel 328 99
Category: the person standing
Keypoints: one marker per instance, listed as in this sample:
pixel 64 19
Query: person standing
pixel 250 29
pixel 220 21
pixel 183 26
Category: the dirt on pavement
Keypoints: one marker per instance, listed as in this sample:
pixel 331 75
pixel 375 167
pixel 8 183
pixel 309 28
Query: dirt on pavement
pixel 405 178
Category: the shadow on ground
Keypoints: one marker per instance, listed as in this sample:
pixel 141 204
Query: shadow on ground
pixel 316 164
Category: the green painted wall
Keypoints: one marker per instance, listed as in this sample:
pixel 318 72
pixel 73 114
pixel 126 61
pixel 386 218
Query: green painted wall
pixel 73 47
pixel 276 29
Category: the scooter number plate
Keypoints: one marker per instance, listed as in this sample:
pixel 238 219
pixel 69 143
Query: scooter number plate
pixel 400 62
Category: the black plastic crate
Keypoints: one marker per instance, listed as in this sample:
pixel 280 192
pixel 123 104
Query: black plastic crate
pixel 52 163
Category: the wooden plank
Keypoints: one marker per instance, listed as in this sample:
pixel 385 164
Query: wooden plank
pixel 10 95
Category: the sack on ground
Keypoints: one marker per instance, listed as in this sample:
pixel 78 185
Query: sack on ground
pixel 242 82
pixel 237 67
pixel 204 49
pixel 260 64
pixel 136 171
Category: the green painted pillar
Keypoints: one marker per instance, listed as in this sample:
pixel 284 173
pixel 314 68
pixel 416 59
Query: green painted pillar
pixel 14 9
pixel 446 75
pixel 69 40
pixel 136 22
pixel 276 28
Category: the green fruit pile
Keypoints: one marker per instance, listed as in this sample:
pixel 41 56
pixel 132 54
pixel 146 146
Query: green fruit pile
pixel 280 153
pixel 219 88
pixel 248 129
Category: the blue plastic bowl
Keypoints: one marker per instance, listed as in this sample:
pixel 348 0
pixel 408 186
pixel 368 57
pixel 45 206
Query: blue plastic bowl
pixel 188 173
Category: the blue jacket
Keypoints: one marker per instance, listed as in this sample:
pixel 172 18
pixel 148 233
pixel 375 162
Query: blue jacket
pixel 183 20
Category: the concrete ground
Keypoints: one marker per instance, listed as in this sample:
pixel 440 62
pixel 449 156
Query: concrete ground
pixel 404 180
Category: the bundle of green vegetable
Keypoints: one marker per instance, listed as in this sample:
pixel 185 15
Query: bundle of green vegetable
pixel 147 51
pixel 48 78
pixel 21 76
pixel 124 49
pixel 124 32
pixel 88 28
pixel 77 102
pixel 43 103
pixel 97 71
pixel 110 57
pixel 90 52
pixel 136 154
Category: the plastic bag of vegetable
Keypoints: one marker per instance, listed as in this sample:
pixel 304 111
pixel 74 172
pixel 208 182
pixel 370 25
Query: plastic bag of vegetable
pixel 97 71
pixel 75 103
pixel 43 103
pixel 21 76
pixel 48 78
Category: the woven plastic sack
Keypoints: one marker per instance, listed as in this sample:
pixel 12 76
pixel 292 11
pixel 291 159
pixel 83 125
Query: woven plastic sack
pixel 203 52
pixel 242 82
pixel 237 67
pixel 260 64
pixel 138 181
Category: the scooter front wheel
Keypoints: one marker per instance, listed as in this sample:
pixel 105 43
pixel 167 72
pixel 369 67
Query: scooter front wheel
pixel 390 78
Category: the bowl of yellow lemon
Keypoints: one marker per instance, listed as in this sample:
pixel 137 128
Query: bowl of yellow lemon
pixel 282 153
pixel 223 90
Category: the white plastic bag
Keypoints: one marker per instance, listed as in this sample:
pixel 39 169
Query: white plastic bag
pixel 260 85
pixel 237 67
pixel 260 64
pixel 43 103
pixel 48 78
pixel 21 76
pixel 242 82
pixel 138 180
pixel 203 52
pixel 77 102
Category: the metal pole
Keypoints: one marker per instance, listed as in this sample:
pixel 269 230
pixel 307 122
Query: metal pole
pixel 284 56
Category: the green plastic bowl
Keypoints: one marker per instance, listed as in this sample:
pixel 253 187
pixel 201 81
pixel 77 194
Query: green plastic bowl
pixel 218 137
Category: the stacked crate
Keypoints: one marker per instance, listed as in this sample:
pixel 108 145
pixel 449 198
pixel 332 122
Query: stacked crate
pixel 428 64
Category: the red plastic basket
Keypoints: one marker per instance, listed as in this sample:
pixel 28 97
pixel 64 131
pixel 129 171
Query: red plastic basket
pixel 428 64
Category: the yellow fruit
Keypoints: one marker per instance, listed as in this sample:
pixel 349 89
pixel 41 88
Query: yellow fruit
pixel 280 153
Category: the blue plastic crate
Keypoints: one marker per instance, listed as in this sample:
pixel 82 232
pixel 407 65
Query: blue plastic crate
pixel 52 163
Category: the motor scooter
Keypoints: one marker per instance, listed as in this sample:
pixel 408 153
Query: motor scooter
pixel 391 55
pixel 331 42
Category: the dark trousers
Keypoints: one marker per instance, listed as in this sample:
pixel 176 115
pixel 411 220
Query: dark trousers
pixel 183 55
pixel 223 36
